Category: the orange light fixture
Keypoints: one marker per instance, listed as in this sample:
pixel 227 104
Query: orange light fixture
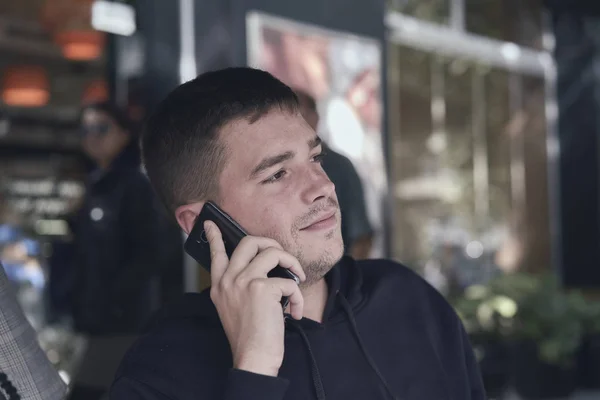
pixel 95 92
pixel 25 86
pixel 69 23
pixel 81 45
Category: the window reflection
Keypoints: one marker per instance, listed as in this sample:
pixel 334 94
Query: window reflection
pixel 510 20
pixel 537 222
pixel 468 169
pixel 428 10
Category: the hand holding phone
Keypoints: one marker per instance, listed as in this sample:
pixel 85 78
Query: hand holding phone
pixel 232 234
pixel 248 302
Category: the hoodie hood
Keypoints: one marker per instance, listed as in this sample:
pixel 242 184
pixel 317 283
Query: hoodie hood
pixel 345 297
pixel 386 335
pixel 345 278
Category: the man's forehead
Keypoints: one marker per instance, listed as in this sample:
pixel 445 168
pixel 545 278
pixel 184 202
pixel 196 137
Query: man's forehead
pixel 277 128
pixel 248 143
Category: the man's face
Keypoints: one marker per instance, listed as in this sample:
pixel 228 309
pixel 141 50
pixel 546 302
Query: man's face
pixel 274 186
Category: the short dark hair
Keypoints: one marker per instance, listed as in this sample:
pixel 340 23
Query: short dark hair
pixel 181 149
pixel 305 99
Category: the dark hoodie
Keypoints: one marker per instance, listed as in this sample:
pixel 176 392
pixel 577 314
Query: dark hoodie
pixel 386 334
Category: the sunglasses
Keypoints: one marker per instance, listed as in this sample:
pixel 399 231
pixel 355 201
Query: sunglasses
pixel 99 129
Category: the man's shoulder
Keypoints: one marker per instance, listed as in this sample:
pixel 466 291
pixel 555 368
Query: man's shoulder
pixel 381 276
pixel 185 337
pixel 190 316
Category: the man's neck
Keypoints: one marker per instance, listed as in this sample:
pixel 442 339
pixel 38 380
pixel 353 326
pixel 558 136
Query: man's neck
pixel 315 299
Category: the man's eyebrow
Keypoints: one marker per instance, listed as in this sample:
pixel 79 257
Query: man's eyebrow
pixel 269 162
pixel 314 142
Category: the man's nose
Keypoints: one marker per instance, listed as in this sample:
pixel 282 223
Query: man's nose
pixel 318 186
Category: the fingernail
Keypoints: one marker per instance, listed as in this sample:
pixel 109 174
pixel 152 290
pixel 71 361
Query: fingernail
pixel 207 226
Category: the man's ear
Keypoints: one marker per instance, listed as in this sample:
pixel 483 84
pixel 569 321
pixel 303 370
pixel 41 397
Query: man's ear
pixel 186 215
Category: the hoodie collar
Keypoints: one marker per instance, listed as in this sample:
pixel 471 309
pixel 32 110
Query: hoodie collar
pixel 344 277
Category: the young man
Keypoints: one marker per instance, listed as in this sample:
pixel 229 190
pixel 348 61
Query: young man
pixel 356 228
pixel 357 330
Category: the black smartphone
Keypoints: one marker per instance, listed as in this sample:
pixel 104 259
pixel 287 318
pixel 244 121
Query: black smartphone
pixel 198 248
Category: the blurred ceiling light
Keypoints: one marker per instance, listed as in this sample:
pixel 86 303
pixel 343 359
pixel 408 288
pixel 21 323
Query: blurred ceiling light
pixel 113 17
pixel 81 45
pixel 25 86
pixel 70 24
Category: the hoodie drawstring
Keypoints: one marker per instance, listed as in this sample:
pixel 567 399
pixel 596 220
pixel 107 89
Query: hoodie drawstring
pixel 348 309
pixel 316 375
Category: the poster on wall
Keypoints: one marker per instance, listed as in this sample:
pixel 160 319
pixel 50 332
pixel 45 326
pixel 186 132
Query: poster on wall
pixel 342 72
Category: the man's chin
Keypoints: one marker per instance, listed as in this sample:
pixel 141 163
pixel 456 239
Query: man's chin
pixel 316 269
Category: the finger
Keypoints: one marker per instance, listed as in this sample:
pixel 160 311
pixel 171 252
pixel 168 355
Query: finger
pixel 268 259
pixel 218 255
pixel 288 288
pixel 245 252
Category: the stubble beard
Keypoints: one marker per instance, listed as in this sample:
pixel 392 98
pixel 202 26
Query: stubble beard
pixel 314 269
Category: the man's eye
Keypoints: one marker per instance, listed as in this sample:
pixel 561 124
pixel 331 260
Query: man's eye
pixel 319 157
pixel 275 177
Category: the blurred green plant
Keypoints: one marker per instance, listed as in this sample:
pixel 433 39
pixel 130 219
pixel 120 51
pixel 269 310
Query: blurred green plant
pixel 534 308
pixel 589 310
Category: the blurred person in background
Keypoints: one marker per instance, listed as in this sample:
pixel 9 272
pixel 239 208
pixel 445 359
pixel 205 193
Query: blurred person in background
pixel 125 246
pixel 357 233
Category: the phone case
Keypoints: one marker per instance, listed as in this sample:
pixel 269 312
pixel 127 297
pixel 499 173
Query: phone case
pixel 198 248
pixel 197 245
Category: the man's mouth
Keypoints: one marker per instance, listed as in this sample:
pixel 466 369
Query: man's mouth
pixel 326 220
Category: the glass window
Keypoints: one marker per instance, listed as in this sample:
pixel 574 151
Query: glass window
pixel 412 89
pixel 537 216
pixel 496 143
pixel 428 10
pixel 468 169
pixel 509 20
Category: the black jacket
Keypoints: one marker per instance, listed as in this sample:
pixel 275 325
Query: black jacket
pixel 351 196
pixel 386 335
pixel 124 244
